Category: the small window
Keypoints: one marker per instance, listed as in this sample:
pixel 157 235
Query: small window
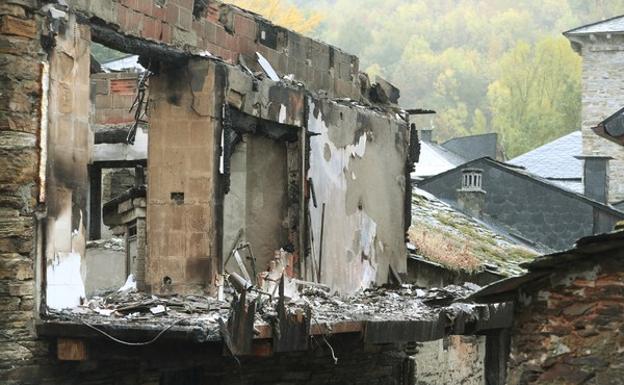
pixel 177 198
pixel 132 230
pixel 472 179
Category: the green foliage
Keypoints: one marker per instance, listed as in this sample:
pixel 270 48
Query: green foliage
pixel 536 96
pixel 485 66
pixel 103 54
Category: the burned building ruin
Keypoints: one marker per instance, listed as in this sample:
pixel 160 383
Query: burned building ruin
pixel 269 174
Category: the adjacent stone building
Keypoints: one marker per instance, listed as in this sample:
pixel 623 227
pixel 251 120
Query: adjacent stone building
pixel 601 46
pixel 568 318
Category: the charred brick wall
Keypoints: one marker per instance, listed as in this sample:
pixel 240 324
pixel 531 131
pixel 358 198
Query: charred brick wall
pixel 69 141
pixel 568 329
pixel 112 95
pixel 181 216
pixel 227 32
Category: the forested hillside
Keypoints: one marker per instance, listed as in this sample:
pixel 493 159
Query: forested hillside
pixel 484 65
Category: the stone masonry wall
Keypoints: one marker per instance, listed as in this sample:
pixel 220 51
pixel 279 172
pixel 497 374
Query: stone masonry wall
pixel 602 96
pixel 452 360
pixel 568 330
pixel 21 59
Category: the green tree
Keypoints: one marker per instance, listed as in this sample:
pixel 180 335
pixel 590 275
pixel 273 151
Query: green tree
pixel 453 56
pixel 537 95
pixel 283 13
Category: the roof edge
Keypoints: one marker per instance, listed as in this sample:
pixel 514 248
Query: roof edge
pixel 573 31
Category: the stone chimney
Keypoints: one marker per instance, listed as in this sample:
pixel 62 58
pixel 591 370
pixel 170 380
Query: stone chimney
pixel 426 135
pixel 596 177
pixel 471 196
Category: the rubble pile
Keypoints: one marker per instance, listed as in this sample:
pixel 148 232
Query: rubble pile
pixel 405 303
pixel 140 308
pixel 127 307
pixel 114 243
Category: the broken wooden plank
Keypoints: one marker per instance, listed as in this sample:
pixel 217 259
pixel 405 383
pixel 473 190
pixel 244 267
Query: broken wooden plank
pixel 69 349
pixel 241 326
pixel 293 330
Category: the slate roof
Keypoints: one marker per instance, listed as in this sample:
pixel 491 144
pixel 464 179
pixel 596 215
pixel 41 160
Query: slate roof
pixel 445 236
pixel 435 159
pixel 519 171
pixel 612 128
pixel 474 146
pixel 612 25
pixel 556 162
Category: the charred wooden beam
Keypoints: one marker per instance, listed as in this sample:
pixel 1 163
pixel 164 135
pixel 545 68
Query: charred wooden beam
pixel 241 326
pixel 293 330
pixel 110 37
pixel 95 202
pixel 131 333
pixel 384 332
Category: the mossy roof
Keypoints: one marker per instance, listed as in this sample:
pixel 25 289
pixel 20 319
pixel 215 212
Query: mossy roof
pixel 481 246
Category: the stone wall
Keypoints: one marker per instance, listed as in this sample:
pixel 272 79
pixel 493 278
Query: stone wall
pixel 115 182
pixel 174 364
pixel 568 328
pixel 452 360
pixel 602 96
pixel 21 57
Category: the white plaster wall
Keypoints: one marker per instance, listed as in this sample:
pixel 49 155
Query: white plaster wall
pixel 361 182
pixel 120 151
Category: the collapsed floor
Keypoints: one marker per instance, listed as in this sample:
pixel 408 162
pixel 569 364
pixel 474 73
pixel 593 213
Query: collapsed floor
pixel 383 315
